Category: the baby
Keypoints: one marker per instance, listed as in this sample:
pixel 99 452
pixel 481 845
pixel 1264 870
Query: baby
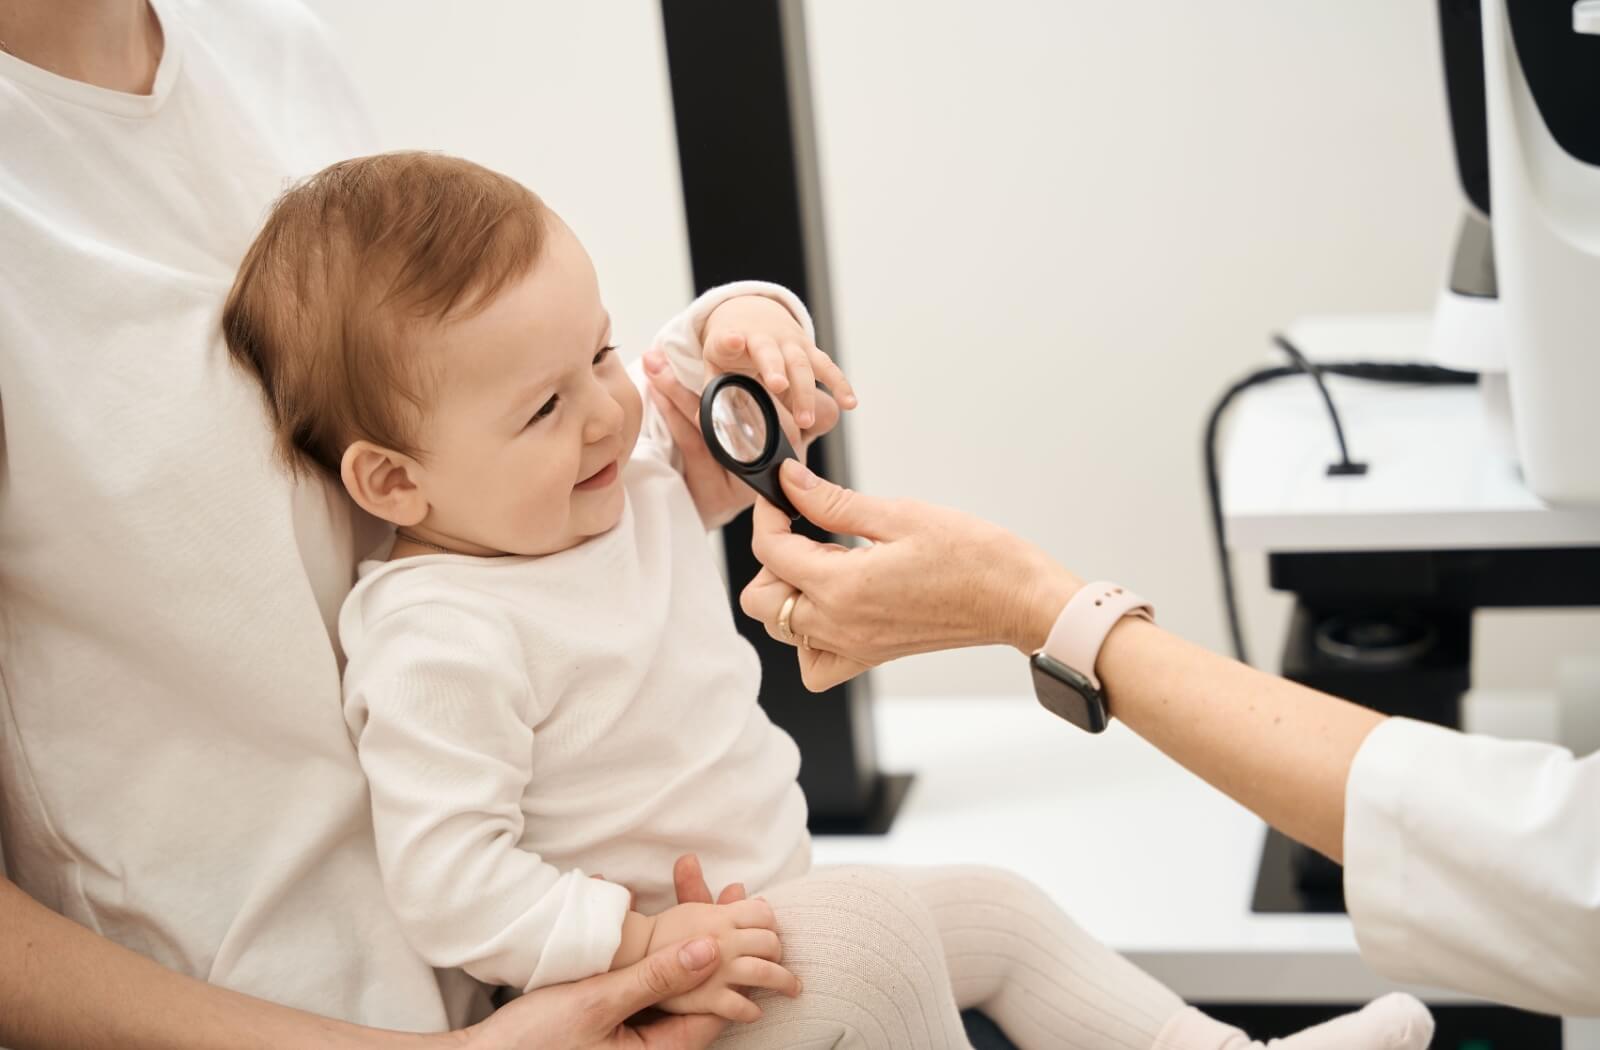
pixel 544 679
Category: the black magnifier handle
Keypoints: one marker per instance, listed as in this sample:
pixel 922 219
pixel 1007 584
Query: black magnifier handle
pixel 740 424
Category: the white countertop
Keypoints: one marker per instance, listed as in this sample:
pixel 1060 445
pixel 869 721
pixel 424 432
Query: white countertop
pixel 1437 478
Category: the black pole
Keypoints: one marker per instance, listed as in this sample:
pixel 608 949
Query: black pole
pixel 741 103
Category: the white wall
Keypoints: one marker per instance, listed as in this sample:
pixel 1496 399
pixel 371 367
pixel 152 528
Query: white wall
pixel 1059 229
pixel 570 98
pixel 1056 229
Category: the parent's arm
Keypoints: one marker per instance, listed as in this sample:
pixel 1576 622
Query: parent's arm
pixel 935 579
pixel 63 985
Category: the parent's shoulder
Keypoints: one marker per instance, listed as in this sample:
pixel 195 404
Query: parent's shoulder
pixel 288 23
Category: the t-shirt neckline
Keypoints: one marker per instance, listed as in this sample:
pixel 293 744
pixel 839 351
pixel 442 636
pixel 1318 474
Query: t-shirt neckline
pixel 121 103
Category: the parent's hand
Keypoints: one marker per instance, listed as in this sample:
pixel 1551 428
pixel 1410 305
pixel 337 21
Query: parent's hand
pixel 932 578
pixel 689 881
pixel 592 1014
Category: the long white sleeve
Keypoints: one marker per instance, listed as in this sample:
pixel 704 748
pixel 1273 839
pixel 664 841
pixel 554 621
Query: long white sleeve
pixel 1474 863
pixel 681 340
pixel 440 706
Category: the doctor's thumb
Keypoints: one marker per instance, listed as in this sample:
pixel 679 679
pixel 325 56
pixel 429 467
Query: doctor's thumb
pixel 834 507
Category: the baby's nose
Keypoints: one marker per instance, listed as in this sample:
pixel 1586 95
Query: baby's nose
pixel 604 421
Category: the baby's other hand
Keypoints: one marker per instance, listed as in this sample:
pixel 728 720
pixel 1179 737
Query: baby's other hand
pixel 747 932
pixel 760 337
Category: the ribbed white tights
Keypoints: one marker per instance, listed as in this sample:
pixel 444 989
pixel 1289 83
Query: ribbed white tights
pixel 890 956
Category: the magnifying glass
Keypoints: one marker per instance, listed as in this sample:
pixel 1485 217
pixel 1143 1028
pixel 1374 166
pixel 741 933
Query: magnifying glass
pixel 740 424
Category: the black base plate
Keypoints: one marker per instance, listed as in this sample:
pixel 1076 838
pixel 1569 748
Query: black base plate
pixel 884 805
pixel 1278 891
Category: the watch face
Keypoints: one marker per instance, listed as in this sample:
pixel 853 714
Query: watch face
pixel 1068 694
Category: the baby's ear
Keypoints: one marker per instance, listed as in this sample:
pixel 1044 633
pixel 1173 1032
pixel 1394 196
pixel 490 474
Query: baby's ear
pixel 383 483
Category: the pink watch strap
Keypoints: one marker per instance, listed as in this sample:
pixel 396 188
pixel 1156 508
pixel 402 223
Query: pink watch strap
pixel 1082 627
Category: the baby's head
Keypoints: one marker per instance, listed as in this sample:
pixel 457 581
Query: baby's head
pixel 429 332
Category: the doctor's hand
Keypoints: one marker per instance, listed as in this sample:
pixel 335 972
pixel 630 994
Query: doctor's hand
pixel 932 578
pixel 718 495
pixel 593 1014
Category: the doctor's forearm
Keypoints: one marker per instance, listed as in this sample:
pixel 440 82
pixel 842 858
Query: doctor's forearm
pixel 1278 748
pixel 63 985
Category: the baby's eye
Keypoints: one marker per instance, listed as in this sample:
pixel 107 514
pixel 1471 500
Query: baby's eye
pixel 545 409
pixel 605 352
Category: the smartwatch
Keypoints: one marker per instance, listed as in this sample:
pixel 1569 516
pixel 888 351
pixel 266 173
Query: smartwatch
pixel 1063 671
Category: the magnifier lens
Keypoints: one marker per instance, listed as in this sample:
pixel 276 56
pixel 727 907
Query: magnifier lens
pixel 739 423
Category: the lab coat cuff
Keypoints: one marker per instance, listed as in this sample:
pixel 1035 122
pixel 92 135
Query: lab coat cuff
pixel 682 337
pixel 1380 877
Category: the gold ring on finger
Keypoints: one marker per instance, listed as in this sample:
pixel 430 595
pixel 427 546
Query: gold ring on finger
pixel 785 630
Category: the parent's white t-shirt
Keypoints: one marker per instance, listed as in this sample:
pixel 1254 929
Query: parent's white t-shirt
pixel 174 764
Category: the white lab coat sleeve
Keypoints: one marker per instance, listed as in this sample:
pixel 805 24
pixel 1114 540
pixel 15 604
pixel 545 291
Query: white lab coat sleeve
pixel 441 710
pixel 1473 863
pixel 680 340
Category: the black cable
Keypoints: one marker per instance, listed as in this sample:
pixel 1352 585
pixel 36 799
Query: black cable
pixel 1344 466
pixel 1376 372
pixel 1214 492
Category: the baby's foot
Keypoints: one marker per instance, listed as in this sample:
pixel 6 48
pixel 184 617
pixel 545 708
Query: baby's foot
pixel 1394 1022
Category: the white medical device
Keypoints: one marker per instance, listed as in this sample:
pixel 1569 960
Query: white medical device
pixel 1522 306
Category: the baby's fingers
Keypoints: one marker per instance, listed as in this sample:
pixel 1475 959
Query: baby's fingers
pixel 680 397
pixel 769 363
pixel 751 913
pixel 802 384
pixel 726 351
pixel 731 1006
pixel 833 378
pixel 759 973
pixel 755 944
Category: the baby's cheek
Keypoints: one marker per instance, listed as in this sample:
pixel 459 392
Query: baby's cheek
pixel 541 502
pixel 632 415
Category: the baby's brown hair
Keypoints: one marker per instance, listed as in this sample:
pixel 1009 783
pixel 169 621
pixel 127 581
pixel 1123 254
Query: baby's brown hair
pixel 349 264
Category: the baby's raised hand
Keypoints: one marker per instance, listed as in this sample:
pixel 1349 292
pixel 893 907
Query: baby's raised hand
pixel 747 932
pixel 760 337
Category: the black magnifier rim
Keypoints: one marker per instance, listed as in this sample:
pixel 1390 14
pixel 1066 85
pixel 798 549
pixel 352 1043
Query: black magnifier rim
pixel 760 473
pixel 769 413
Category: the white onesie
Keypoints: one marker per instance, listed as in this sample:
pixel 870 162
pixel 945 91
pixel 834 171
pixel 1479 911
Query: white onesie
pixel 527 722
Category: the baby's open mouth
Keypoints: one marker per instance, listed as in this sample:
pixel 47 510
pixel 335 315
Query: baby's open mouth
pixel 600 478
